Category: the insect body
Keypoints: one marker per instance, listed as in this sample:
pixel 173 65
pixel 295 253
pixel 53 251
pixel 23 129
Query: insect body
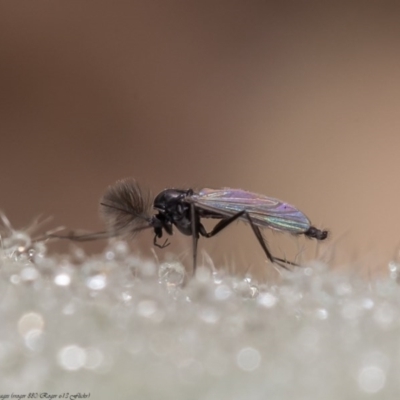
pixel 185 208
pixel 127 210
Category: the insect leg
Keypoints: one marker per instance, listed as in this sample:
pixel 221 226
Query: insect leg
pixel 195 235
pixel 263 244
pixel 225 222
pixel 221 225
pixel 161 246
pixel 79 237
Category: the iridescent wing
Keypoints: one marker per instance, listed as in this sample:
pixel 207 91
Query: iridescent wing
pixel 264 211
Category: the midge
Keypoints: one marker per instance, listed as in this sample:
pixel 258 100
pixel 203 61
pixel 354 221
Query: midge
pixel 128 210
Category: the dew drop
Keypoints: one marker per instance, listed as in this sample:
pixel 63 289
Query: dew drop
pixel 96 282
pixel 146 308
pixel 171 273
pixel 62 279
pixel 30 321
pixel 267 300
pixel 29 274
pixel 222 292
pixel 71 357
pixel 248 359
pixel 371 379
pixel 94 358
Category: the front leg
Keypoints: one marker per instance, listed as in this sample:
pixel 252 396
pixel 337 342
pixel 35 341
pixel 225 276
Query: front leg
pixel 160 246
pixel 158 235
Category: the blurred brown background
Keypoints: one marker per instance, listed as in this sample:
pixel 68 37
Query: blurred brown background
pixel 298 100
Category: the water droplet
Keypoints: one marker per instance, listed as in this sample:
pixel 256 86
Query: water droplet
pixel 96 282
pixel 393 266
pixel 246 289
pixel 40 248
pixel 109 255
pixel 146 308
pixel 78 254
pixel 15 279
pixel 248 359
pixel 367 303
pixel 209 315
pixel 171 273
pixel 30 321
pixel 120 249
pixel 371 379
pixel 267 300
pixel 94 358
pixel 126 297
pixel 62 279
pixel 18 241
pixel 71 357
pixel 222 292
pixel 34 340
pixel 218 277
pixel 29 274
pixel 322 314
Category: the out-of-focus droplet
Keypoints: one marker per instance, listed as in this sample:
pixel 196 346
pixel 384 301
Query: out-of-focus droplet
pixel 15 279
pixel 18 241
pixel 248 359
pixel 171 273
pixel 394 268
pixel 120 249
pixel 367 303
pixel 30 321
pixel 222 292
pixel 71 357
pixel 29 274
pixel 322 314
pixel 246 289
pixel 209 315
pixel 94 358
pixel 97 282
pixel 126 297
pixel 267 300
pixel 218 277
pixel 371 379
pixel 147 308
pixel 62 279
pixel 109 255
pixel 30 327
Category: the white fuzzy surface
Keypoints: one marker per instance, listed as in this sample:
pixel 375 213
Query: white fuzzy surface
pixel 117 326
